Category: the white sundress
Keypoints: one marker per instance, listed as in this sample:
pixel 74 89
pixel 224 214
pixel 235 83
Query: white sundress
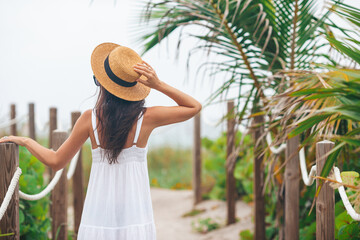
pixel 118 201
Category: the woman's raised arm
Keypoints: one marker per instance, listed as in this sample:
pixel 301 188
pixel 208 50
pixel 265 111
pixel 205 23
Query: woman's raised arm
pixel 188 106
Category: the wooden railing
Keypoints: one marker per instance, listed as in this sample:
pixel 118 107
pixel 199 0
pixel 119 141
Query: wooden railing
pixel 9 162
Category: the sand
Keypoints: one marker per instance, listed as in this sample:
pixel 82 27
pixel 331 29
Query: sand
pixel 170 205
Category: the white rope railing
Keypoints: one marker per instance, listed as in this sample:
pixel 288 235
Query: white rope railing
pixel 14 181
pixel 42 128
pixel 43 193
pixel 53 181
pixel 308 178
pixel 275 150
pixel 24 118
pixel 349 208
pixel 13 121
pixel 72 166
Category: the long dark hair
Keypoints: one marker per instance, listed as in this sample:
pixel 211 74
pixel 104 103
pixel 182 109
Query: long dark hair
pixel 116 117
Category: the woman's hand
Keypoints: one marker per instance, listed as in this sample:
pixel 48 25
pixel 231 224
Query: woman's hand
pixel 146 70
pixel 187 108
pixel 18 140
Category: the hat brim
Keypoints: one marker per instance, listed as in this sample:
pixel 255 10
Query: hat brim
pixel 135 93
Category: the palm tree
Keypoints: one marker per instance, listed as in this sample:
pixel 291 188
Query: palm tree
pixel 257 39
pixel 326 104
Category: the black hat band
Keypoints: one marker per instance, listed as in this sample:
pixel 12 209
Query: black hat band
pixel 115 78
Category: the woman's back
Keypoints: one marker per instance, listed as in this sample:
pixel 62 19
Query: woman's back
pixel 141 138
pixel 118 201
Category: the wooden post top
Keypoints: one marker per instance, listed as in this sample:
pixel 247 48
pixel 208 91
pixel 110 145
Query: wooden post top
pixel 325 142
pixel 5 143
pixel 59 131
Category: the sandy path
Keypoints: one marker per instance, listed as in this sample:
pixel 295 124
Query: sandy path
pixel 170 205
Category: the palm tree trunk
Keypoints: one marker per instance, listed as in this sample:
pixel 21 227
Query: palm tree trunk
pixel 291 176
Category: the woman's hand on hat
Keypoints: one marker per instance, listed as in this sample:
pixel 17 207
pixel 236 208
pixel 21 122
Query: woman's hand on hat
pixel 146 70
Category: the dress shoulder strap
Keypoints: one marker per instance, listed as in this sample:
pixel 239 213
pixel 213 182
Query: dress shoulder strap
pixel 93 119
pixel 138 128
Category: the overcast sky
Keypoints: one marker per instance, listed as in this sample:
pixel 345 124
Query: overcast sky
pixel 45 55
pixel 45 50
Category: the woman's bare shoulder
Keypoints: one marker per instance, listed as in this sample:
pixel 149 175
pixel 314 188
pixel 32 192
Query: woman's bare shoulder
pixel 85 117
pixel 87 113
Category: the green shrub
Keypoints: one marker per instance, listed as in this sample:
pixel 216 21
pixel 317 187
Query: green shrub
pixel 205 225
pixel 214 157
pixel 170 168
pixel 246 235
pixel 33 215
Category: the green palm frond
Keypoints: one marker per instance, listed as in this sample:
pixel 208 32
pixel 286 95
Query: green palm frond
pixel 255 38
pixel 299 32
pixel 347 43
pixel 324 105
pixel 233 28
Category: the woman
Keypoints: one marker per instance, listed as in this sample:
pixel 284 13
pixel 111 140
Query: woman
pixel 118 201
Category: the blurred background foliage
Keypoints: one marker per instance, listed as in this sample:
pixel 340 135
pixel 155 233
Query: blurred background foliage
pixel 33 215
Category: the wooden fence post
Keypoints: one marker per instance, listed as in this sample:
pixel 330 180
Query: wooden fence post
pixel 52 124
pixel 9 161
pixel 325 203
pixel 197 159
pixel 52 127
pixel 230 179
pixel 58 197
pixel 259 208
pixel 13 116
pixel 78 185
pixel 32 133
pixel 292 194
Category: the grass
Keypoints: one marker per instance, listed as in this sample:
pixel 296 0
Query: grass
pixel 193 212
pixel 205 225
pixel 170 168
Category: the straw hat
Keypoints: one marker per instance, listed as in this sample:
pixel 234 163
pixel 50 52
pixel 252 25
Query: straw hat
pixel 112 65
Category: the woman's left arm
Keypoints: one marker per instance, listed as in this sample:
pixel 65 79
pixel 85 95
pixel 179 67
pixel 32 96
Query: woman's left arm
pixel 57 159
